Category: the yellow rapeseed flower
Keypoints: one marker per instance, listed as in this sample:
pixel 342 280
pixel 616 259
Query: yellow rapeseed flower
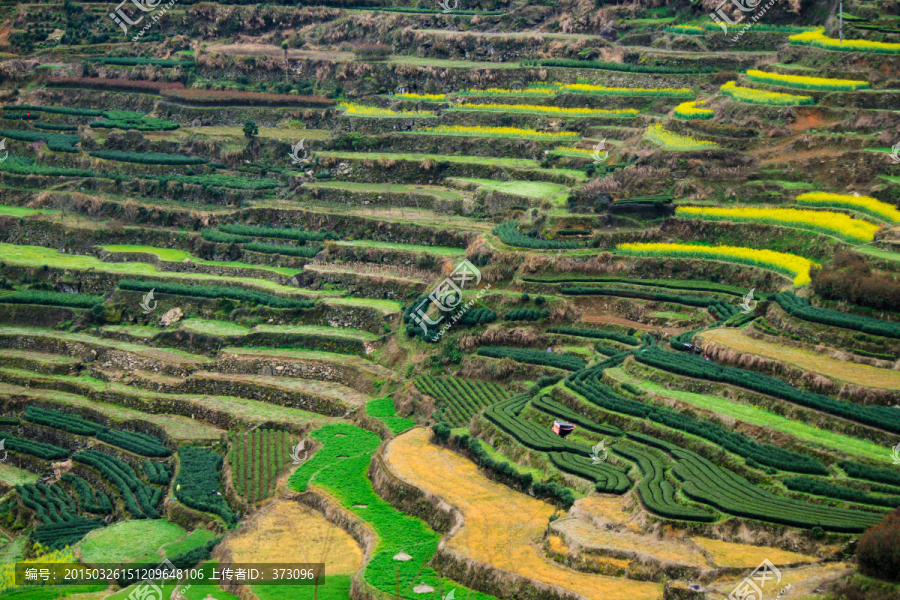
pixel 689 110
pixel 423 96
pixel 501 132
pixel 624 91
pixel 745 94
pixel 783 262
pixel 818 39
pixel 358 110
pixel 864 204
pixel 673 141
pixel 550 110
pixel 806 83
pixel 832 223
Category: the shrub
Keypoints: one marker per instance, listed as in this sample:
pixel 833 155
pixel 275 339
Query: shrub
pixel 849 277
pixel 819 487
pixel 140 499
pixel 57 536
pixel 801 309
pixel 376 51
pixel 134 441
pixel 59 420
pixel 114 85
pixel 595 333
pixel 878 551
pixel 38 449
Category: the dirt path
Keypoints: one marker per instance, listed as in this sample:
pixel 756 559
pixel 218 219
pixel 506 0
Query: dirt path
pixel 502 527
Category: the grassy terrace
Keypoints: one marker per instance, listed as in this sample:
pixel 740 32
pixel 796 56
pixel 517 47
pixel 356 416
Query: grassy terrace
pixel 759 417
pixel 439 192
pixel 441 250
pixel 21 211
pixel 229 329
pixel 174 255
pixel 11 475
pixel 539 190
pixel 179 428
pixel 168 355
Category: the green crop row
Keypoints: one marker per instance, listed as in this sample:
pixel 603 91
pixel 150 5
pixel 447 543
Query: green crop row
pixel 61 110
pixel 510 236
pixel 59 142
pixel 569 362
pixel 817 487
pixel 134 61
pixel 89 499
pixel 148 158
pixel 705 482
pixel 50 503
pixel 216 291
pixel 52 299
pixel 38 449
pixel 301 251
pixel 861 471
pixel 157 472
pixel 526 314
pixel 882 417
pixel 383 409
pixel 339 467
pixel 462 315
pixel 624 67
pixel 140 499
pixel 59 420
pixel 608 479
pixel 257 459
pixel 217 237
pixel 801 309
pixel 698 301
pixel 657 494
pixel 277 232
pixel 459 399
pixel 197 484
pixel 57 536
pixel 55 126
pixel 589 383
pixel 699 286
pixel 134 441
pixel 549 406
pixel 596 334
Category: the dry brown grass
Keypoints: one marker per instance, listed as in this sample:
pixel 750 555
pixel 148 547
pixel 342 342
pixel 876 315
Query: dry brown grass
pixel 290 529
pixel 805 359
pixel 501 526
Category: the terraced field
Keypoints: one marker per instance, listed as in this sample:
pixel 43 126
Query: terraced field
pixel 486 301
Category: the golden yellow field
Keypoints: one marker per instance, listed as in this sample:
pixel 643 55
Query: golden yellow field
pixel 502 527
pixel 728 554
pixel 289 529
pixel 806 359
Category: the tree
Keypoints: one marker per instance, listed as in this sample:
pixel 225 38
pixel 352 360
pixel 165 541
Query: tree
pixel 250 130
